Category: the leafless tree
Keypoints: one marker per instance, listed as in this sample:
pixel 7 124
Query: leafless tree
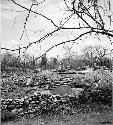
pixel 102 51
pixel 89 52
pixel 96 53
pixel 69 52
pixel 93 18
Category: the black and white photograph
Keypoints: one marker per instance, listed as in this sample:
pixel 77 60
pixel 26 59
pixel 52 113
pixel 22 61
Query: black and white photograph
pixel 56 62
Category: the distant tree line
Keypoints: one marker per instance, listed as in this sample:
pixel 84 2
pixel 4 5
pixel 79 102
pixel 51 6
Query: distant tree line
pixel 93 56
pixel 9 60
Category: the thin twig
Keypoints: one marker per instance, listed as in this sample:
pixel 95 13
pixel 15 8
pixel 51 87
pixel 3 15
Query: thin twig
pixel 67 6
pixel 97 31
pixel 49 34
pixel 73 40
pixel 26 22
pixel 35 13
pixel 18 11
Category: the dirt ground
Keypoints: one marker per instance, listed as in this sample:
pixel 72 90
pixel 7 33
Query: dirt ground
pixel 92 118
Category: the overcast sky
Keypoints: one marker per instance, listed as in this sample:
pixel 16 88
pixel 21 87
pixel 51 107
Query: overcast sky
pixel 12 27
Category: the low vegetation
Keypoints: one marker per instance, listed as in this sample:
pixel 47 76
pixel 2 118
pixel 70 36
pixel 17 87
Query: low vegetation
pixel 29 94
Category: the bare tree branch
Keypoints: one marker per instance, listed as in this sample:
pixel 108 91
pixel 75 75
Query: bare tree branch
pixel 73 40
pixel 94 18
pixel 92 29
pixel 49 34
pixel 19 11
pixel 26 21
pixel 10 49
pixel 35 13
pixel 37 3
pixel 67 6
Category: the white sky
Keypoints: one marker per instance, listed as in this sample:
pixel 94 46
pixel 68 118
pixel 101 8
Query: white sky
pixel 12 27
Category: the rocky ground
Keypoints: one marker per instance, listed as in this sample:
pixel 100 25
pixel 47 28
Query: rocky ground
pixel 66 99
